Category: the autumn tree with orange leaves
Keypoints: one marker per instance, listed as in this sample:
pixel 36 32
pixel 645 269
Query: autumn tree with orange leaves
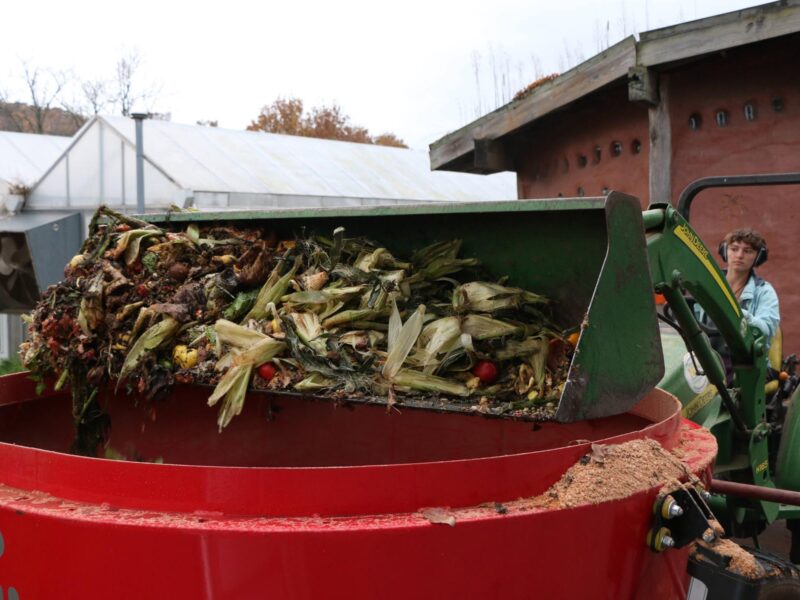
pixel 288 116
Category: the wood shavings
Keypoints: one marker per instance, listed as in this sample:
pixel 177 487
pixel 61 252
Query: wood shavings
pixel 612 472
pixel 742 562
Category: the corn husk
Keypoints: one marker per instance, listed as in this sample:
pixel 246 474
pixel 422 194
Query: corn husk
pixel 429 383
pixel 439 337
pixel 130 242
pixel 348 316
pixel 325 296
pixel 91 312
pixel 486 297
pixel 151 339
pixel 236 335
pixel 309 330
pixel 271 292
pixel 362 339
pixel 482 327
pixel 380 258
pixel 314 383
pixel 232 388
pixel 402 337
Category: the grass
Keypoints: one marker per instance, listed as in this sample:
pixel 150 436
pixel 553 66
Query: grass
pixel 10 365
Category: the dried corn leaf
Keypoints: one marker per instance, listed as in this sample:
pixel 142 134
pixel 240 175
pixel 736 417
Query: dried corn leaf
pixel 402 341
pixel 151 339
pixel 429 383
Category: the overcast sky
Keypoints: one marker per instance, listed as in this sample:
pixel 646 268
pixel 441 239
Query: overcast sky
pixel 404 67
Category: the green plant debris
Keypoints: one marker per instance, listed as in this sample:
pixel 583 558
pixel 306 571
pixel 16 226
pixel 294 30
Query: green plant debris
pixel 338 316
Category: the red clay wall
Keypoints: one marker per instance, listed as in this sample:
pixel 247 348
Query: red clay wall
pixel 550 152
pixel 769 143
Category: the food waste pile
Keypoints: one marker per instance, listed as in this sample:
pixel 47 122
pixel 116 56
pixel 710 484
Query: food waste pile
pixel 142 308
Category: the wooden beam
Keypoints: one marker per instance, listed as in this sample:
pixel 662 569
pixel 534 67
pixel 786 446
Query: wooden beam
pixel 719 33
pixel 642 85
pixel 597 72
pixel 490 156
pixel 660 163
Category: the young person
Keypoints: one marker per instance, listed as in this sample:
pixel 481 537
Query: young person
pixel 743 250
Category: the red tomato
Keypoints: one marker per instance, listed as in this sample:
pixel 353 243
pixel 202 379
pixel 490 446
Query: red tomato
pixel 142 290
pixel 485 370
pixel 267 371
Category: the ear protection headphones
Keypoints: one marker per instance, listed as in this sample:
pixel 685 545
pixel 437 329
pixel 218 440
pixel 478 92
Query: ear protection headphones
pixel 761 255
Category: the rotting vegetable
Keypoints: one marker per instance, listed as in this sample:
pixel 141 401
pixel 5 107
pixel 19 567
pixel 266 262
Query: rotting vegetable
pixel 143 308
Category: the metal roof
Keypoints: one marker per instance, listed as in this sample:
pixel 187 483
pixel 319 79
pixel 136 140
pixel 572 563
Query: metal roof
pixel 463 150
pixel 24 157
pixel 213 159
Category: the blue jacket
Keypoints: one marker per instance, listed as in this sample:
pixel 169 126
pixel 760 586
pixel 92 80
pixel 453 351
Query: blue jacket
pixel 759 304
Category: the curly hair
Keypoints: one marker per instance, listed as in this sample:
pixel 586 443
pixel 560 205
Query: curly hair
pixel 747 236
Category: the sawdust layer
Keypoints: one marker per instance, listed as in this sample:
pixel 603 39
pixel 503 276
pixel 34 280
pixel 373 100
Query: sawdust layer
pixel 742 562
pixel 613 472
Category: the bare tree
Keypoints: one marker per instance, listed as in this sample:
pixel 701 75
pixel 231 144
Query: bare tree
pixel 44 87
pixel 96 94
pixel 125 71
pixel 129 91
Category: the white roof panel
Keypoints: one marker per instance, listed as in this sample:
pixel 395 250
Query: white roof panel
pixel 222 160
pixel 24 157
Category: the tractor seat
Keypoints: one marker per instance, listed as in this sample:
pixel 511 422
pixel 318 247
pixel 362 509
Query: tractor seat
pixel 774 360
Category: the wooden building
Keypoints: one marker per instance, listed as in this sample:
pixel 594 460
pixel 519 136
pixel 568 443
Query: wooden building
pixel 713 97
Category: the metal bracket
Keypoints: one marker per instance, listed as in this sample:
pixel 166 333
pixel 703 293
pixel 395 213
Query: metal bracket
pixel 680 517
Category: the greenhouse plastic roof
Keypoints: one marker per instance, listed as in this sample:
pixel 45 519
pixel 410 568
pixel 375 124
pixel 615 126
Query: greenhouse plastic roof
pixel 212 159
pixel 24 157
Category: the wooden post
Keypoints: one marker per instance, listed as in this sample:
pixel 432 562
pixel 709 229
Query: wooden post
pixel 660 189
pixel 490 156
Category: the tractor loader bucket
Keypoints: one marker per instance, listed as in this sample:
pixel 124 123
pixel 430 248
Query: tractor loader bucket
pixel 588 255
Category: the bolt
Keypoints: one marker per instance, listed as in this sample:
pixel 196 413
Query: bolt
pixel 667 541
pixel 675 510
pixel 709 536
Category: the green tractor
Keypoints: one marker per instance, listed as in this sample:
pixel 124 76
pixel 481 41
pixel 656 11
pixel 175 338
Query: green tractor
pixel 754 419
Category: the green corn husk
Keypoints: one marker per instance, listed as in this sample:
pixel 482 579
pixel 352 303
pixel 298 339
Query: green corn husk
pixel 482 296
pixel 437 251
pixel 370 326
pixel 402 338
pixel 272 290
pixel 151 339
pixel 348 316
pixel 378 259
pixel 429 383
pixel 439 260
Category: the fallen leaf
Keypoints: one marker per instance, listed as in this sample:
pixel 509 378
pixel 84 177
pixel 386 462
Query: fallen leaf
pixel 439 516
